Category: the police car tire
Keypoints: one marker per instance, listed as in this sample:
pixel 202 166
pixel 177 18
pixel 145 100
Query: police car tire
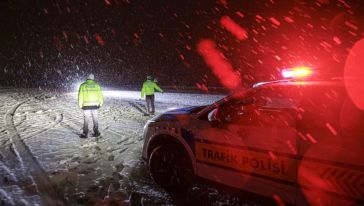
pixel 170 169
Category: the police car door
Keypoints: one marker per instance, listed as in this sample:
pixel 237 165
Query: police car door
pixel 253 147
pixel 331 166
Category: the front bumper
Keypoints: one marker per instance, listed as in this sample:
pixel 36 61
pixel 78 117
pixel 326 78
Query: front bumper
pixel 147 133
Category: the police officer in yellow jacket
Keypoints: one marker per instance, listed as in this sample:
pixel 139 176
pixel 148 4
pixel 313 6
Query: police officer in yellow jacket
pixel 90 99
pixel 148 89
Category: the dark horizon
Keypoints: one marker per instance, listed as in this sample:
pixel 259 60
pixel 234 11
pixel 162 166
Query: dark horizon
pixel 53 44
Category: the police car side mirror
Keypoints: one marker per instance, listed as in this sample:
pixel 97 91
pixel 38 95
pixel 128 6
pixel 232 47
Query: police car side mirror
pixel 212 117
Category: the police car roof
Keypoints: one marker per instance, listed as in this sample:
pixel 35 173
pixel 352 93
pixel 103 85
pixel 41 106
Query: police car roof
pixel 285 83
pixel 332 82
pixel 336 82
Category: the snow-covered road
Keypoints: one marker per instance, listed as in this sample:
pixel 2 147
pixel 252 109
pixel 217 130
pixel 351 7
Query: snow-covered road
pixel 44 162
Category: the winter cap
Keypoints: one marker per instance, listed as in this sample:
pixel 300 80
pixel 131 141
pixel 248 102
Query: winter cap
pixel 91 76
pixel 149 77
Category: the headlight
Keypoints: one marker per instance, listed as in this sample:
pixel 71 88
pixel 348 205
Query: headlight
pixel 148 123
pixel 156 118
pixel 153 120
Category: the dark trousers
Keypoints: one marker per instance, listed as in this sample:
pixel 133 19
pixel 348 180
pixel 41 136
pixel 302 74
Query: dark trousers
pixel 89 114
pixel 150 103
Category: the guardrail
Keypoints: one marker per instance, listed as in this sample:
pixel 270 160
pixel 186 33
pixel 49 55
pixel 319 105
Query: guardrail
pixel 170 89
pixel 177 89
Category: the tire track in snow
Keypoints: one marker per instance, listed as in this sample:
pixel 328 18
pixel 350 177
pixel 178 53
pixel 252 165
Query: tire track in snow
pixel 137 107
pixel 34 130
pixel 57 120
pixel 89 158
pixel 29 162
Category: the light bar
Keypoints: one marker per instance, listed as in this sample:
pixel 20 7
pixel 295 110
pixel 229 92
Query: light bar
pixel 297 72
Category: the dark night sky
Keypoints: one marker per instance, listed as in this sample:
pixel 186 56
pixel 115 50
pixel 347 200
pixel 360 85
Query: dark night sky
pixel 53 43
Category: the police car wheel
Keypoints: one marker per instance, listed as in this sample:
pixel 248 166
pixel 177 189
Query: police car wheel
pixel 170 169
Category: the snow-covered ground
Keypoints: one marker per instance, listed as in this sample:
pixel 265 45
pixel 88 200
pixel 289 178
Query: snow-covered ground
pixel 44 162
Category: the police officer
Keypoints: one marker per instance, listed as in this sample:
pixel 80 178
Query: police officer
pixel 90 99
pixel 148 89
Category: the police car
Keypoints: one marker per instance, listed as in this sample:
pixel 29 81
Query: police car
pixel 297 141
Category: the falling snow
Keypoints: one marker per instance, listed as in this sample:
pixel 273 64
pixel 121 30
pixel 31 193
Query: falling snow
pixel 199 47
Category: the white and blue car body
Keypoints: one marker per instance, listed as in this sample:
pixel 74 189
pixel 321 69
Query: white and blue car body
pixel 299 142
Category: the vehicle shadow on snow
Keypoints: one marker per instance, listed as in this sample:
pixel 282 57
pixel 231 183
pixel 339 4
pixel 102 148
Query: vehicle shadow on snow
pixel 143 191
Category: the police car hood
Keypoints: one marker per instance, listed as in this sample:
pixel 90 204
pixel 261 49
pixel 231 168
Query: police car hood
pixel 176 114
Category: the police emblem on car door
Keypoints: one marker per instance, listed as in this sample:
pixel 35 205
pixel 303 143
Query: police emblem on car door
pixel 250 144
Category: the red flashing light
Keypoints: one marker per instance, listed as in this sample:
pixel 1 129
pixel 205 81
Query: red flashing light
pixel 297 72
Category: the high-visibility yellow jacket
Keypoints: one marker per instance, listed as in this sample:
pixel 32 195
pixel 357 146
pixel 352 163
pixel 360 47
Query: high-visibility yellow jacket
pixel 149 87
pixel 90 95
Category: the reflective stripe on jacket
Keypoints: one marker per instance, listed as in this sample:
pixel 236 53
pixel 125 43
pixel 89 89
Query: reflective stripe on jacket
pixel 149 87
pixel 90 94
